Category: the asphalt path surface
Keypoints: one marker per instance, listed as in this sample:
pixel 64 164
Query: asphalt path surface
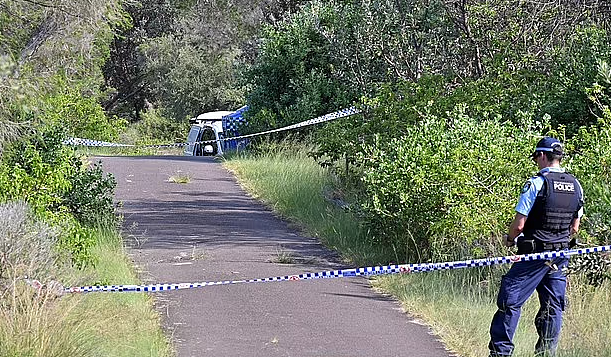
pixel 209 230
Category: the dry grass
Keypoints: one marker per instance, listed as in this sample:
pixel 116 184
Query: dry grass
pixel 33 324
pixel 459 306
pixel 39 322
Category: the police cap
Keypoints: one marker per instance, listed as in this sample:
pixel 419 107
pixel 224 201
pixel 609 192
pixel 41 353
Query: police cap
pixel 549 144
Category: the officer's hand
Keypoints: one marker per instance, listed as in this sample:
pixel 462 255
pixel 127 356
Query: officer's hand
pixel 508 241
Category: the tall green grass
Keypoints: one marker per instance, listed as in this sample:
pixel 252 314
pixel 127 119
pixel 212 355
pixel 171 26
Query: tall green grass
pixel 125 324
pixel 292 184
pixel 46 324
pixel 459 304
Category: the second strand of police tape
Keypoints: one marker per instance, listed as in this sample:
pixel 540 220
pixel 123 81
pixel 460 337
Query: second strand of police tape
pixel 342 273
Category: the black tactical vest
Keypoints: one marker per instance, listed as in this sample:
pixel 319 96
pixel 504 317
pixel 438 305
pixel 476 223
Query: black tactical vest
pixel 556 205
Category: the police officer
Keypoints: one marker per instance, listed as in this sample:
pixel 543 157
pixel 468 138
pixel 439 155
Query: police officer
pixel 547 214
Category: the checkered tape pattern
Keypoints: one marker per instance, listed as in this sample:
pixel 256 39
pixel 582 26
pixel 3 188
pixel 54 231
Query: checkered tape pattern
pixel 321 119
pixel 344 273
pixel 88 142
pixel 97 143
pixel 232 126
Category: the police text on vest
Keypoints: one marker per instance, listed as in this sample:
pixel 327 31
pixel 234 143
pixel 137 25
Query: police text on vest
pixel 564 186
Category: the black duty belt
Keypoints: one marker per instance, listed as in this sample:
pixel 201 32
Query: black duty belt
pixel 527 246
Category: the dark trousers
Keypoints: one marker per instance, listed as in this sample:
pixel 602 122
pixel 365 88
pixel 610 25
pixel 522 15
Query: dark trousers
pixel 516 287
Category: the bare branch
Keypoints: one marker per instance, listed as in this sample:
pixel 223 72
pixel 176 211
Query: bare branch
pixel 51 6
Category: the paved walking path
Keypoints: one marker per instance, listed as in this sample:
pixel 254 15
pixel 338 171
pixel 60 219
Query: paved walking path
pixel 209 230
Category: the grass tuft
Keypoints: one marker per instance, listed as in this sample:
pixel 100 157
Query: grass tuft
pixel 283 257
pixel 181 178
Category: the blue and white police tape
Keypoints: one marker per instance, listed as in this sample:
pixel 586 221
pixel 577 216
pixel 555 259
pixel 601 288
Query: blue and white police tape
pixel 98 143
pixel 344 273
pixel 321 119
pixel 88 142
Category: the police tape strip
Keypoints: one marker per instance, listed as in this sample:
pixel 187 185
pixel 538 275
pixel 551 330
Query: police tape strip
pixel 344 273
pixel 321 119
pixel 88 142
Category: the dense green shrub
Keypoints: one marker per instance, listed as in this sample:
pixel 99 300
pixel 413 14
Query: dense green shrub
pixel 90 198
pixel 329 53
pixel 59 188
pixel 397 108
pixel 37 169
pixel 520 97
pixel 590 159
pixel 292 78
pixel 75 242
pixel 155 126
pixel 447 187
pixel 564 93
pixel 79 113
pixel 189 79
pixel 445 184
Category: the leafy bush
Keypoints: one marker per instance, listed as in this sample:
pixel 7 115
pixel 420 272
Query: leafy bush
pixel 155 127
pixel 448 184
pixel 590 159
pixel 329 53
pixel 90 198
pixel 293 78
pixel 75 242
pixel 80 114
pixel 565 91
pixel 37 169
pixel 189 79
pixel 59 188
pixel 447 187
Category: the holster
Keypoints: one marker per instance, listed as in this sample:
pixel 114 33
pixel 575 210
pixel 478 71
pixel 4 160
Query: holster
pixel 573 243
pixel 526 246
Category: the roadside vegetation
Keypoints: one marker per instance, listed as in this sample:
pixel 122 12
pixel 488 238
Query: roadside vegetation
pixel 41 322
pixel 459 304
pixel 454 95
pixel 58 223
pixel 291 183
